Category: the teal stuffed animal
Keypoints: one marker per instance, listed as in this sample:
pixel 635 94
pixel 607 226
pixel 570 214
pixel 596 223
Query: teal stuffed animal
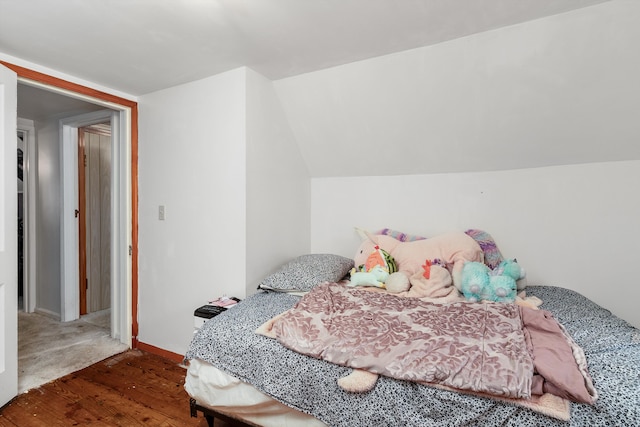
pixel 500 289
pixel 512 269
pixel 481 283
pixel 474 278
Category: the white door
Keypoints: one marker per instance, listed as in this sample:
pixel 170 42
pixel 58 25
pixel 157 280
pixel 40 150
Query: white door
pixel 8 237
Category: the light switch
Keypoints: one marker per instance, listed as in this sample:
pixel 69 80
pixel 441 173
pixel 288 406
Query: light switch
pixel 161 212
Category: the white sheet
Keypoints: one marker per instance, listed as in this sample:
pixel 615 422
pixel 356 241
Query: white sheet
pixel 217 390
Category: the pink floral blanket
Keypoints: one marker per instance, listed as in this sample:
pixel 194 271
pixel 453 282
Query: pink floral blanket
pixel 477 347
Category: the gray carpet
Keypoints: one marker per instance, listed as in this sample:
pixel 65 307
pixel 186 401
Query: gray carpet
pixel 48 349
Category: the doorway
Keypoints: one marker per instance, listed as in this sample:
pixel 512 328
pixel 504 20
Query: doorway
pixel 125 248
pixel 94 193
pixel 58 257
pixel 90 338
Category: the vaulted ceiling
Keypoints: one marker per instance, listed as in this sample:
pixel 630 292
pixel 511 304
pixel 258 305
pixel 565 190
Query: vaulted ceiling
pixel 434 86
pixel 140 46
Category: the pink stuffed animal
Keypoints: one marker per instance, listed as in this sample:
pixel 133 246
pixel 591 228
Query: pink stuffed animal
pixel 452 248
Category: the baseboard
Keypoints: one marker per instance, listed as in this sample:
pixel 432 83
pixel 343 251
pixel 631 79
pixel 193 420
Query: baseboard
pixel 48 313
pixel 160 352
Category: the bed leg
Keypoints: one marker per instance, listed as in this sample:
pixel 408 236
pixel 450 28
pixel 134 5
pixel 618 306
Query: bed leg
pixel 210 415
pixel 192 408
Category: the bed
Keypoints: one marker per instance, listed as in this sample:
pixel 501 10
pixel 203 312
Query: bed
pixel 235 372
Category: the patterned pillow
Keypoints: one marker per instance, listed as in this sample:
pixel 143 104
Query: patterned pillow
pixel 307 271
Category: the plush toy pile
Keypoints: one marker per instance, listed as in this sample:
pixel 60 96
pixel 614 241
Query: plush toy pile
pixel 443 267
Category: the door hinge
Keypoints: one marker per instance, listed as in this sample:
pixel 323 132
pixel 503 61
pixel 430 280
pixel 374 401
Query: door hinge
pixel 86 282
pixel 130 250
pixel 85 160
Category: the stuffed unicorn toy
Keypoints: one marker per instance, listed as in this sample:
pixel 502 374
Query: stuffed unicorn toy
pixel 453 249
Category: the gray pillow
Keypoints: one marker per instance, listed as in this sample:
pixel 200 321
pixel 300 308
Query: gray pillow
pixel 307 271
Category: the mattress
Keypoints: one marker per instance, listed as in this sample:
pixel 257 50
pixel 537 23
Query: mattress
pixel 229 345
pixel 218 390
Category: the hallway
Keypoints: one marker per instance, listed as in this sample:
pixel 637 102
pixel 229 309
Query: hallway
pixel 48 349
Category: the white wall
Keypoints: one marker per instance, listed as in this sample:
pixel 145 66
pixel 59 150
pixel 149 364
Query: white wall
pixel 575 226
pixel 558 90
pixel 48 211
pixel 191 160
pixel 278 188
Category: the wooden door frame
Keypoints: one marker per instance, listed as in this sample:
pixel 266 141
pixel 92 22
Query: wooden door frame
pixel 27 74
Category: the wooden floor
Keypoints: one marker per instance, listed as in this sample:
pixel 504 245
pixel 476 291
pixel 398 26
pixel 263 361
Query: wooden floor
pixel 130 389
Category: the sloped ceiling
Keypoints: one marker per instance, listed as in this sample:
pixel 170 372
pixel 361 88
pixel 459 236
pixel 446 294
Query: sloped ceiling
pixel 140 46
pixel 376 87
pixel 555 91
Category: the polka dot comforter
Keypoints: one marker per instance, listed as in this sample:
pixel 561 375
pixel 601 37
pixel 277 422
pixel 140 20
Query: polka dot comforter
pixel 611 346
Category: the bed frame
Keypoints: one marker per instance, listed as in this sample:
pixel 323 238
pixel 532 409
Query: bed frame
pixel 210 415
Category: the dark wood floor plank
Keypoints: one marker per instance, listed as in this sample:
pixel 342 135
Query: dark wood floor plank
pixel 140 379
pixel 131 389
pixel 98 404
pixel 43 407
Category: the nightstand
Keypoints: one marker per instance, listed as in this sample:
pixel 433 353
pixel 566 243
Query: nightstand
pixel 206 312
